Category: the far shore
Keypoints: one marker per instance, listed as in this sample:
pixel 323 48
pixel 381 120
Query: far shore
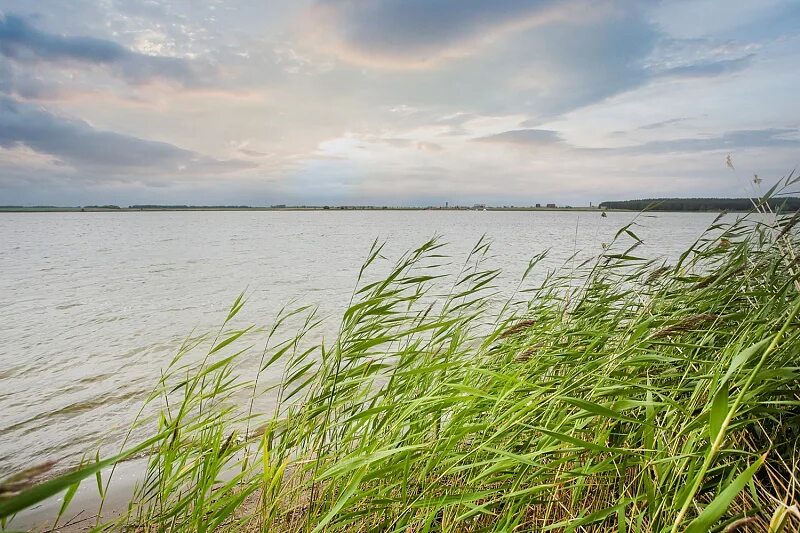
pixel 298 208
pixel 326 208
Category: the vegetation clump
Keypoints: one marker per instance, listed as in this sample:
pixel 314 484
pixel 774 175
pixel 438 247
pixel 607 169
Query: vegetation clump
pixel 623 395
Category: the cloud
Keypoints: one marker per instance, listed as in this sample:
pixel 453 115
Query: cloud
pixel 527 137
pixel 568 64
pixel 663 123
pixel 706 69
pixel 418 33
pixel 530 123
pixel 23 43
pixel 540 59
pixel 23 84
pixel 79 145
pixel 399 142
pixel 430 95
pixel 564 65
pixel 729 141
pixel 253 153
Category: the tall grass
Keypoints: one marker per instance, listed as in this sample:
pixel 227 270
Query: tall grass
pixel 623 395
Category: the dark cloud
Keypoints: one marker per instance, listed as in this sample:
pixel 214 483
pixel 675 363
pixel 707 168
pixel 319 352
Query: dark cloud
pixel 529 137
pixel 729 141
pixel 663 123
pixel 22 84
pixel 79 145
pixel 562 64
pixel 23 43
pixel 420 30
pixel 568 64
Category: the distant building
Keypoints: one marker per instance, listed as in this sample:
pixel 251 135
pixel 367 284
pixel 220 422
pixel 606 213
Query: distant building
pixel 551 206
pixel 479 206
pixel 538 205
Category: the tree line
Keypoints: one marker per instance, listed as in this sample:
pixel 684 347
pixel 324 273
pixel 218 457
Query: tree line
pixel 701 204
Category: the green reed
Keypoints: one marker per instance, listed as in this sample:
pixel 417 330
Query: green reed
pixel 623 394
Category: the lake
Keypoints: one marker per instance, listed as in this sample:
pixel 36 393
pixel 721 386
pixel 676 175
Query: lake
pixel 93 305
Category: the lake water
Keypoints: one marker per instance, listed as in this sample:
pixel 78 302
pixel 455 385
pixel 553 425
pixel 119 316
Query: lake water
pixel 93 305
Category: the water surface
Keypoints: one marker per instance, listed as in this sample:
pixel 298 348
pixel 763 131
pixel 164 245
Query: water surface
pixel 93 305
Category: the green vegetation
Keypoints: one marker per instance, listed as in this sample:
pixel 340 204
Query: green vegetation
pixel 622 394
pixel 700 204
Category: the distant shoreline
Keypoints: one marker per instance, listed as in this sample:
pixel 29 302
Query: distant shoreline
pixel 299 208
pixel 334 208
pixel 668 205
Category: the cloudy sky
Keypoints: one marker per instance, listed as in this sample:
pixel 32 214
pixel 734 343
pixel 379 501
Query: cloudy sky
pixel 394 101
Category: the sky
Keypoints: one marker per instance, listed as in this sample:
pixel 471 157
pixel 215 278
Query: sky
pixel 394 102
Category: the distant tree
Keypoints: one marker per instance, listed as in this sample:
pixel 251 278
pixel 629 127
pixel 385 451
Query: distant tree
pixel 700 204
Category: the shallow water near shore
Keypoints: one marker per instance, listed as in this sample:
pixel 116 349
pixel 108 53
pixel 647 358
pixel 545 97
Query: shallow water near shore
pixel 95 304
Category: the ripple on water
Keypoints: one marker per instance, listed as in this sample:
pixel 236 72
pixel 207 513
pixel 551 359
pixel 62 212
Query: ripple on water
pixel 64 307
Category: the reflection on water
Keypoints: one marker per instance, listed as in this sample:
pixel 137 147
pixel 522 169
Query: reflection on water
pixel 94 304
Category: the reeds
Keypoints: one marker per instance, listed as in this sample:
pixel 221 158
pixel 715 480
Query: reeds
pixel 629 395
